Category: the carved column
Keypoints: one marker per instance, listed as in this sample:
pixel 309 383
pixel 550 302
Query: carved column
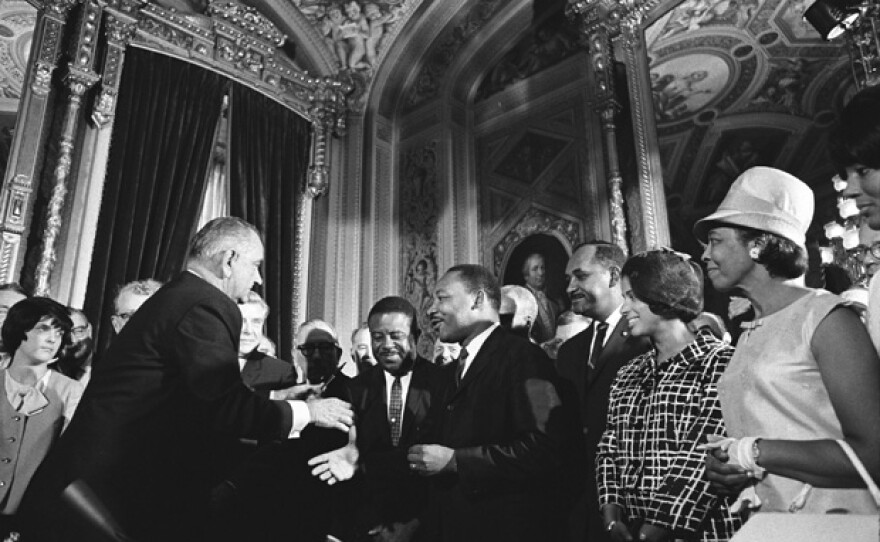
pixel 120 28
pixel 16 205
pixel 599 21
pixel 652 194
pixel 80 77
pixel 604 21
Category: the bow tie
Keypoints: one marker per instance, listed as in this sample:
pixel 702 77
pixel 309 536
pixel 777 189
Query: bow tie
pixel 25 399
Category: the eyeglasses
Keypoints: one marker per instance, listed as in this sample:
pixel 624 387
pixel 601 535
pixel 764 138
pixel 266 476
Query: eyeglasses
pixel 125 315
pixel 873 250
pixel 309 349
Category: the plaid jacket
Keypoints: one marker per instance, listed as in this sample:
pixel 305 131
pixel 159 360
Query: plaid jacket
pixel 648 462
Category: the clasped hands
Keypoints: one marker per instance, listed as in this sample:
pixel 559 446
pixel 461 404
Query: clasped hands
pixel 430 459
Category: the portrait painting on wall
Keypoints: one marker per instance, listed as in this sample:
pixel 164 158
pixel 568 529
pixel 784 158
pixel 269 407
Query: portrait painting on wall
pixel 555 259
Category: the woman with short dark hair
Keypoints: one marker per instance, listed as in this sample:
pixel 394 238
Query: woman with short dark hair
pixel 802 391
pixel 663 407
pixel 37 403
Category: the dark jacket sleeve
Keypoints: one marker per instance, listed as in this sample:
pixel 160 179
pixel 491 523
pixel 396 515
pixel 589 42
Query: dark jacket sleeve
pixel 207 342
pixel 533 449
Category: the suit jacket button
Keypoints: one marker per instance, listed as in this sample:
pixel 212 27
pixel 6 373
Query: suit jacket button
pixel 2 484
pixel 6 460
pixel 11 439
pixel 16 418
pixel 449 408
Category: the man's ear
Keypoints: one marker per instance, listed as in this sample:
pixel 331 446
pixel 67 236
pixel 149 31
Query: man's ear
pixel 614 273
pixel 226 259
pixel 479 300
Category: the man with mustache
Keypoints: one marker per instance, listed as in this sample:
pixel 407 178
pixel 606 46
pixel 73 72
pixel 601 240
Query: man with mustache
pixel 500 451
pixel 589 361
pixel 397 404
pixel 76 359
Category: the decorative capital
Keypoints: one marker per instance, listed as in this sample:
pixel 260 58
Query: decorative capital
pixel 57 9
pixel 119 31
pixel 328 104
pixel 318 181
pixel 79 81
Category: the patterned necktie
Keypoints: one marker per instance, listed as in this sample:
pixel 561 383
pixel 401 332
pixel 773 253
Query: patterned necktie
pixel 598 344
pixel 459 371
pixel 395 409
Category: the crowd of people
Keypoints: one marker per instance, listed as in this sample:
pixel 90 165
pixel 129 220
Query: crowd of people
pixel 629 417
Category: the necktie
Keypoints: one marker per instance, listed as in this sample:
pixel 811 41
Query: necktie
pixel 395 409
pixel 598 343
pixel 459 371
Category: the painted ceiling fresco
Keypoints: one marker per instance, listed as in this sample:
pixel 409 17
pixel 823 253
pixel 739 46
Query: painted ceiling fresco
pixel 739 83
pixel 17 20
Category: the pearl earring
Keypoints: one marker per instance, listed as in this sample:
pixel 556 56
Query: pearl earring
pixel 754 253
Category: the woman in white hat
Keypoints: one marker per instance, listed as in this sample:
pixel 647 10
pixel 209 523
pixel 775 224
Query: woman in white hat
pixel 804 374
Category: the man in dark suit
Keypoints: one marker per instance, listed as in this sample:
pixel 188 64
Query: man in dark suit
pixel 500 448
pixel 589 361
pixel 260 371
pixel 397 404
pixel 168 391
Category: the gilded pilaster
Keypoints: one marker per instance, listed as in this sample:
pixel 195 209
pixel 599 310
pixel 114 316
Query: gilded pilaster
pixel 80 78
pixel 600 21
pixel 119 27
pixel 16 202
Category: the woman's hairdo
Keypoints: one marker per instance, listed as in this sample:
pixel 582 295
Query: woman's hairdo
pixel 669 282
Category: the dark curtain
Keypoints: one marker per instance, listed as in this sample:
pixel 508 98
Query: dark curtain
pixel 268 160
pixel 156 172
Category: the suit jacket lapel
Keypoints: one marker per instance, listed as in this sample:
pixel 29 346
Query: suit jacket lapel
pixel 416 402
pixel 483 358
pixel 612 347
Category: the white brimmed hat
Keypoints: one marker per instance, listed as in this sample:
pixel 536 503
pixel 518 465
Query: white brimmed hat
pixel 764 199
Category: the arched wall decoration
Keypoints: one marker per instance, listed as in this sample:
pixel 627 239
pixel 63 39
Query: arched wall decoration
pixel 419 218
pixel 532 222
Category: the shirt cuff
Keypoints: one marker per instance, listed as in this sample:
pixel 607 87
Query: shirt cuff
pixel 301 417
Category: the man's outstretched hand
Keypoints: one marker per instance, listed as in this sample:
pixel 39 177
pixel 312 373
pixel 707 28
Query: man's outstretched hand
pixel 338 465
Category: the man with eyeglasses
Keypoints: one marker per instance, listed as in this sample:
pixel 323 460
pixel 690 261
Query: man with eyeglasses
pixel 129 299
pixel 75 359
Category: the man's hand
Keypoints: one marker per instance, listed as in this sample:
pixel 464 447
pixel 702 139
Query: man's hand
pixel 430 459
pixel 653 533
pixel 338 465
pixel 727 480
pixel 396 532
pixel 613 518
pixel 332 413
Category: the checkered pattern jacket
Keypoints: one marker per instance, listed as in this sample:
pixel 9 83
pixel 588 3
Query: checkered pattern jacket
pixel 647 461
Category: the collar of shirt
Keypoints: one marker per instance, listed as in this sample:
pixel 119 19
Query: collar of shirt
pixel 15 388
pixel 404 389
pixel 473 347
pixel 612 321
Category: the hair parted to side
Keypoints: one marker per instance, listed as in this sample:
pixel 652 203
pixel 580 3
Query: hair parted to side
pixel 606 254
pixel 782 257
pixel 476 278
pixel 27 313
pixel 395 304
pixel 856 137
pixel 670 283
pixel 145 287
pixel 253 298
pixel 224 233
